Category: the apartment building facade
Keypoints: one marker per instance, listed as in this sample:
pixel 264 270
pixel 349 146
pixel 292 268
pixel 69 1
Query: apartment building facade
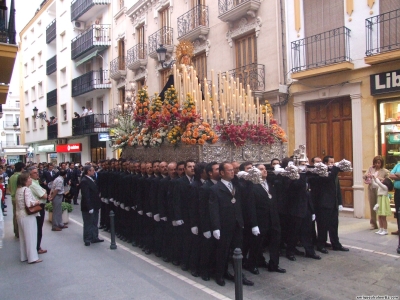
pixel 242 38
pixel 64 56
pixel 344 72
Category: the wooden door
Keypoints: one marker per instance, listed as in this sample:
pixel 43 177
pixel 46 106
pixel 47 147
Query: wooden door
pixel 141 42
pixel 121 54
pixel 200 65
pixel 329 132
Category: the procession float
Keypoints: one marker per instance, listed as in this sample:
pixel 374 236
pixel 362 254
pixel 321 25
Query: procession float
pixel 213 119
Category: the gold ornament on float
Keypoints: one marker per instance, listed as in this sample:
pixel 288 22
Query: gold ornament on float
pixel 184 53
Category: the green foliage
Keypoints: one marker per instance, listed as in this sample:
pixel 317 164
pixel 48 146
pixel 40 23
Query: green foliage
pixel 64 206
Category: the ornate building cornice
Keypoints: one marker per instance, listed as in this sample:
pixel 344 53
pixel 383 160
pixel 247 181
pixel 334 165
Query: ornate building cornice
pixel 243 28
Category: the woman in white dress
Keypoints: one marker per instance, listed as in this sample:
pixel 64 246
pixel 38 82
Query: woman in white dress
pixel 27 225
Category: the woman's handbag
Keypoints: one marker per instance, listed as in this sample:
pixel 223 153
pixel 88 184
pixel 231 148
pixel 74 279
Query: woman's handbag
pixel 32 209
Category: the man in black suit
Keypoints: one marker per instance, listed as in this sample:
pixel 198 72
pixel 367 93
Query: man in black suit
pixel 49 176
pixel 226 220
pixel 208 244
pixel 328 208
pixel 181 204
pixel 90 205
pixel 264 217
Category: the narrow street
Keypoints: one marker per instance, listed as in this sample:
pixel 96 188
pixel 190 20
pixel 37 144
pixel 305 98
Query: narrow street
pixel 72 271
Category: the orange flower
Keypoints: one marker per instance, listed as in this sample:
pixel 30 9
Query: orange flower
pixel 204 137
pixel 195 134
pixel 201 142
pixel 214 140
pixel 193 142
pixel 140 111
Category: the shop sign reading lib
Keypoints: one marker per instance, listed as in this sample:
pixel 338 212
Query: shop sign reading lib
pixel 386 82
pixel 69 148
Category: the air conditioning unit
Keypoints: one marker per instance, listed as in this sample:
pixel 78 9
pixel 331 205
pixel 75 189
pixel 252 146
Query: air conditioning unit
pixel 78 25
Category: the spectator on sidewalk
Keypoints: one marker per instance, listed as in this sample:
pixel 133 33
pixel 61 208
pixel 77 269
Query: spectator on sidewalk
pixel 19 167
pixel 3 198
pixel 27 225
pixel 40 195
pixel 56 195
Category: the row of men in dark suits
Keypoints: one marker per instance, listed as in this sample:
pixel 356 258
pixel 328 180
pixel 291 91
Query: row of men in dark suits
pixel 194 215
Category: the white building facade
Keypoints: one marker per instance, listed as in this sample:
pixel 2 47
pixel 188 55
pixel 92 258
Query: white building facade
pixel 64 58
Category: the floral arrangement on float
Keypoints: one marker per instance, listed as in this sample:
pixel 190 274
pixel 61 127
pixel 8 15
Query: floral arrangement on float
pixel 198 113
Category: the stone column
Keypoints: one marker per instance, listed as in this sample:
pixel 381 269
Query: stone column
pixel 358 186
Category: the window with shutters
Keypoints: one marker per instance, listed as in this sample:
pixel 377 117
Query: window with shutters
pixel 141 42
pixel 200 65
pixel 165 24
pixel 389 24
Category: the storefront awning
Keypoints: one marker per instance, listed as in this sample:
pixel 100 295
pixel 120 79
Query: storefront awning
pixel 86 58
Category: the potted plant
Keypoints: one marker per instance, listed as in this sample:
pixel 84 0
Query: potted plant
pixel 66 209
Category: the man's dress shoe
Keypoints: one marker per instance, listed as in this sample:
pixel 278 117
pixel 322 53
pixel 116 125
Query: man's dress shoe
pixel 97 240
pixel 341 248
pixel 205 277
pixel 291 257
pixel 87 243
pixel 245 281
pixel 276 269
pixel 313 256
pixel 184 267
pixel 322 250
pixel 195 273
pixel 229 276
pixel 253 270
pixel 220 281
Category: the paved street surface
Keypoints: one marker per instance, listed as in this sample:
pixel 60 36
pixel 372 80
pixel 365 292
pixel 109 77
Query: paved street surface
pixel 72 271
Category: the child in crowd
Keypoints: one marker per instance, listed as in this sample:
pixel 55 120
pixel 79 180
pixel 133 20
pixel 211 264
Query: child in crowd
pixel 382 207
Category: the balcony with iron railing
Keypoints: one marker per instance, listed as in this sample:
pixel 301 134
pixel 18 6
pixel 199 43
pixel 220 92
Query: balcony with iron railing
pixel 51 32
pixel 52 132
pixel 232 10
pixel 251 74
pixel 97 37
pixel 84 9
pixel 136 57
pixel 10 124
pixel 382 34
pixel 322 53
pixel 90 124
pixel 90 81
pixel 194 24
pixel 52 98
pixel 163 36
pixel 51 65
pixel 7 29
pixel 118 68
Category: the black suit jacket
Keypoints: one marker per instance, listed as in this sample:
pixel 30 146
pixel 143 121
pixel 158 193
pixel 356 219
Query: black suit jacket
pixel 48 177
pixel 181 199
pixel 330 194
pixel 204 210
pixel 90 195
pixel 223 213
pixel 299 199
pixel 264 209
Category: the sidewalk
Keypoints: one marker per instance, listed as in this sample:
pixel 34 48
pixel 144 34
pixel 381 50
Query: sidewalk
pixel 72 271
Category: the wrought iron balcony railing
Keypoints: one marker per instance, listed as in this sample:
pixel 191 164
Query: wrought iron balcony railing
pixel 97 35
pixel 7 30
pixel 382 33
pixel 52 98
pixel 51 65
pixel 9 124
pixel 90 81
pixel 79 7
pixel 135 54
pixel 51 31
pixel 90 124
pixel 52 132
pixel 194 18
pixel 251 74
pixel 163 36
pixel 320 50
pixel 117 67
pixel 227 5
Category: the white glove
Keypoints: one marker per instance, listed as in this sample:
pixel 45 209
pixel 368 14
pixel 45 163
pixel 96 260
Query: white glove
pixel 313 217
pixel 122 206
pixel 115 203
pixel 140 212
pixel 149 214
pixel 134 207
pixel 127 208
pixel 102 199
pixel 164 219
pixel 207 234
pixel 174 223
pixel 255 230
pixel 111 199
pixel 106 200
pixel 376 207
pixel 195 230
pixel 157 217
pixel 217 234
pixel 340 207
pixel 91 211
pixel 179 222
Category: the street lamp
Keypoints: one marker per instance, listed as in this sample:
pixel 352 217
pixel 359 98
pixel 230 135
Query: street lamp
pixel 38 116
pixel 161 53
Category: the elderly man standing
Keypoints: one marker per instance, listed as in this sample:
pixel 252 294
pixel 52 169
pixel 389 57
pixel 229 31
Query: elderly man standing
pixel 19 167
pixel 56 196
pixel 40 195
